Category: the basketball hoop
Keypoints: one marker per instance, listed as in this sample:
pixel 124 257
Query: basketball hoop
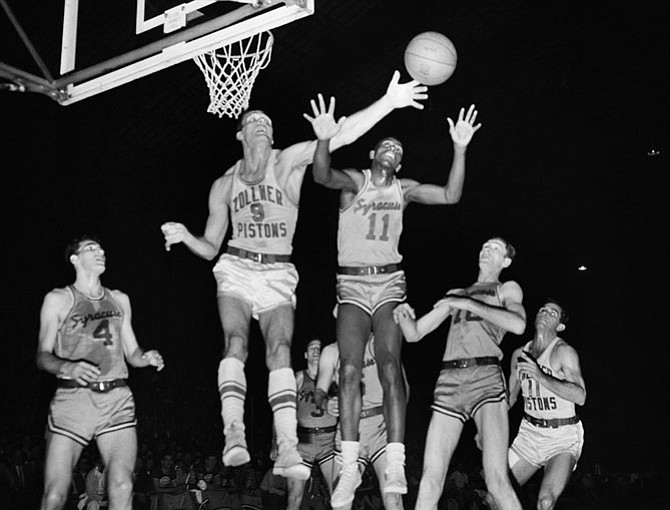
pixel 230 72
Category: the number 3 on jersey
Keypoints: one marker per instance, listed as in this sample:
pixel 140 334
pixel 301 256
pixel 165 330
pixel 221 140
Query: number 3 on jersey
pixel 372 231
pixel 104 332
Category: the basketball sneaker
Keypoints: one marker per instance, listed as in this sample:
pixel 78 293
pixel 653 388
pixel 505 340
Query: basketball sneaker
pixel 289 464
pixel 235 452
pixel 346 484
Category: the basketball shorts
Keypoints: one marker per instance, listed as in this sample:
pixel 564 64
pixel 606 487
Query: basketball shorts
pixel 461 392
pixel 264 286
pixel 317 447
pixel 537 445
pixel 82 414
pixel 371 292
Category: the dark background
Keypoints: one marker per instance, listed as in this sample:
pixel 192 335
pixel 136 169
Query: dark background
pixel 571 97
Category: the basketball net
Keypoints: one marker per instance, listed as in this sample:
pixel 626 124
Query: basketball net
pixel 230 72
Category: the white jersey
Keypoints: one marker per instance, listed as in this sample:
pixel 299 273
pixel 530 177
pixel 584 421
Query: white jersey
pixel 263 217
pixel 370 227
pixel 539 401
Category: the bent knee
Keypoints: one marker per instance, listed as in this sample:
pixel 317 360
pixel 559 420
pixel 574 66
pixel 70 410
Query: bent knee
pixel 546 501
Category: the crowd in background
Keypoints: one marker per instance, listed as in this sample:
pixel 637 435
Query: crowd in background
pixel 179 466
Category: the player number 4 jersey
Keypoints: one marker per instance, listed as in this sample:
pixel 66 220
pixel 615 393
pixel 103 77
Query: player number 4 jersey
pixel 91 331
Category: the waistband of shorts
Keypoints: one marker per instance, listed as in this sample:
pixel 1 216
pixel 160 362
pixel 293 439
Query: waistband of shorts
pixel 97 386
pixel 368 270
pixel 262 258
pixel 317 430
pixel 470 362
pixel 553 423
pixel 373 411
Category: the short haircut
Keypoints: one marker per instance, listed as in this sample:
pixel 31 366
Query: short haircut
pixel 240 120
pixel 312 341
pixel 393 138
pixel 564 313
pixel 511 250
pixel 73 246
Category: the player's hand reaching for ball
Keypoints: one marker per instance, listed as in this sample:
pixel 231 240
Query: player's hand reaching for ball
pixel 464 129
pixel 406 94
pixel 323 122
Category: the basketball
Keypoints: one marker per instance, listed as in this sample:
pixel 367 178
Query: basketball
pixel 430 58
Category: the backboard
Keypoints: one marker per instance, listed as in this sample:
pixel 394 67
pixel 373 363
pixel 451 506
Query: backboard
pixel 101 50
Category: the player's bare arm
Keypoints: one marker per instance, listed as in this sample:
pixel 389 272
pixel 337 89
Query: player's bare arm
pixel 461 133
pixel 325 128
pixel 414 330
pixel 514 383
pixel 564 359
pixel 326 374
pixel 207 246
pixel 134 354
pixel 54 308
pixel 398 95
pixel 511 316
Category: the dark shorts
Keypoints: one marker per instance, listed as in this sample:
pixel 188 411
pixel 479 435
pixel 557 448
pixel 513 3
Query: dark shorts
pixel 316 447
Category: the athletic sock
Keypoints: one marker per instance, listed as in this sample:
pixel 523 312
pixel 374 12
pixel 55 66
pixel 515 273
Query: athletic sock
pixel 282 396
pixel 232 391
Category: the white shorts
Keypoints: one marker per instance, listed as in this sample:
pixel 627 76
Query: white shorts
pixel 371 292
pixel 371 437
pixel 537 445
pixel 264 286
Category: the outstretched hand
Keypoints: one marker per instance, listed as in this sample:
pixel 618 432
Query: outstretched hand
pixel 323 122
pixel 464 129
pixel 406 94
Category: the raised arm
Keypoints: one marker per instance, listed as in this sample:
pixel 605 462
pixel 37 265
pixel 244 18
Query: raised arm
pixel 398 95
pixel 325 128
pixel 134 354
pixel 461 134
pixel 511 316
pixel 208 245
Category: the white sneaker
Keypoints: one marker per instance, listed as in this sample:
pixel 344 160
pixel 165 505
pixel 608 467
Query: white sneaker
pixel 235 452
pixel 346 484
pixel 289 465
pixel 394 478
